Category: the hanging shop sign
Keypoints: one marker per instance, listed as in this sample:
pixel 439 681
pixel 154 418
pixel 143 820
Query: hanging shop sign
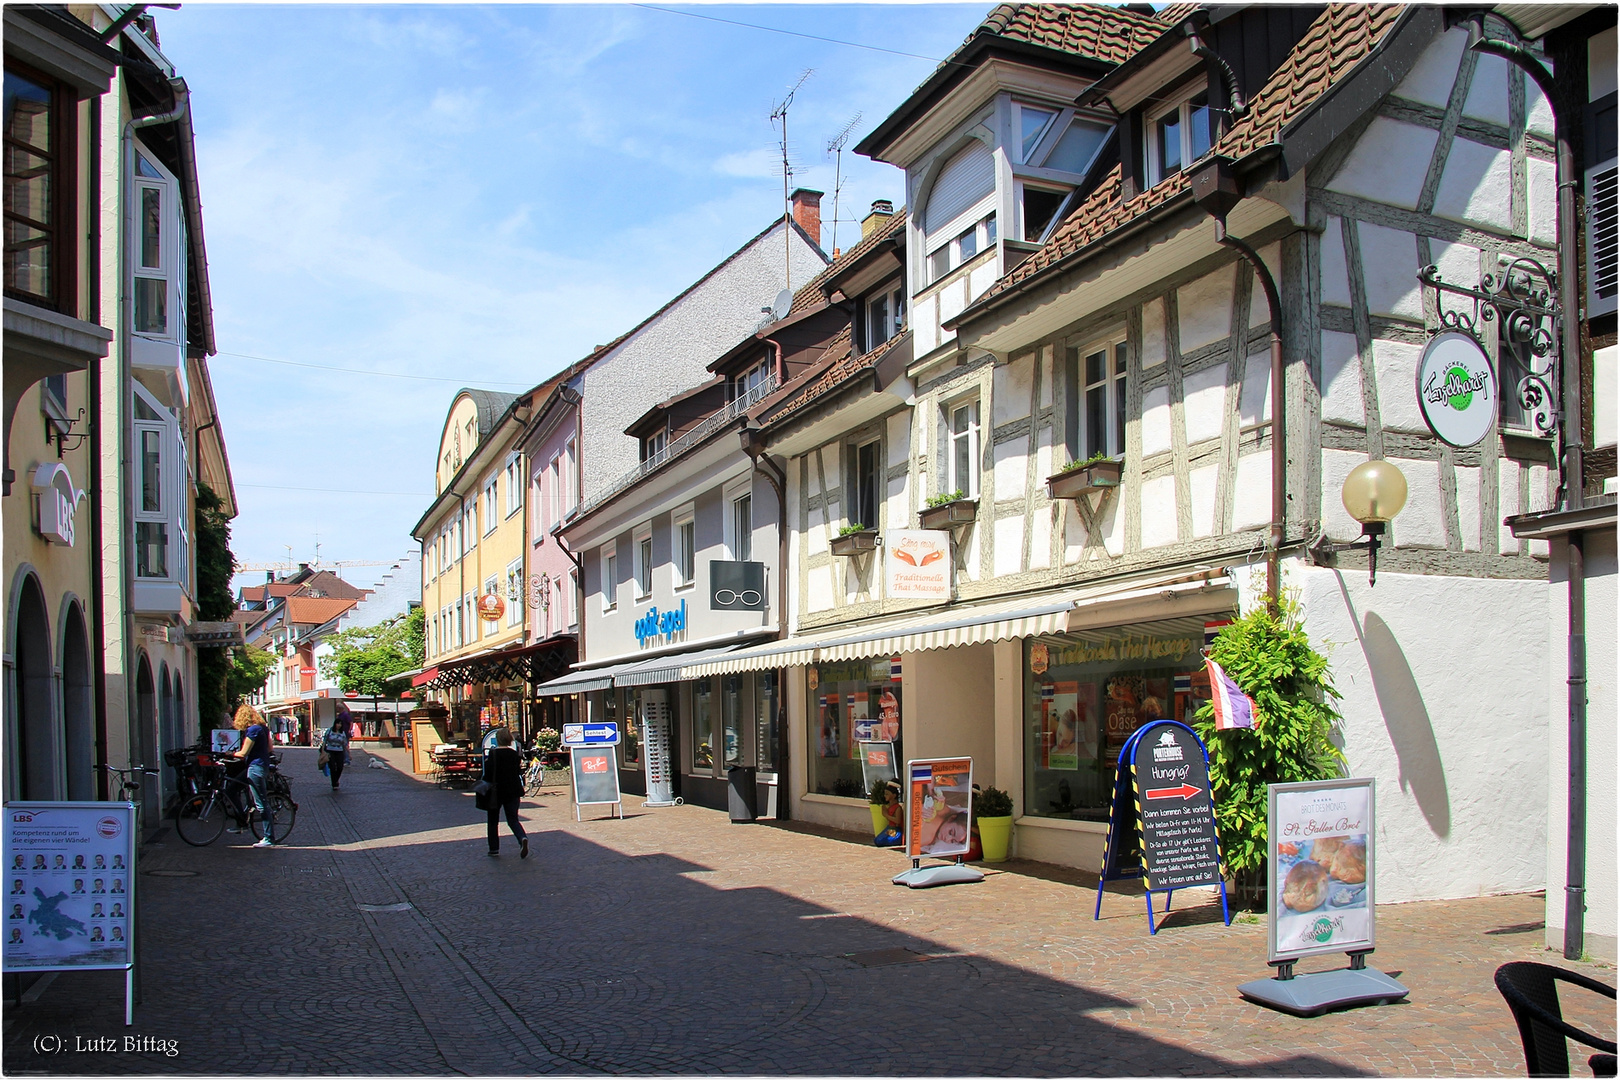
pixel 491 607
pixel 1320 867
pixel 1161 821
pixel 664 624
pixel 58 502
pixel 736 586
pixel 939 807
pixel 596 777
pixel 1457 389
pixel 917 564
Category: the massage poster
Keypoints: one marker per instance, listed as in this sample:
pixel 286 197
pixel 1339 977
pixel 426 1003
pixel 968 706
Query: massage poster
pixel 939 807
pixel 1068 725
pixel 69 885
pixel 1321 867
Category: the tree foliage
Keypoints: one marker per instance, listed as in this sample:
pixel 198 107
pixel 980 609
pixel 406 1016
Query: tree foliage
pixel 1295 733
pixel 363 659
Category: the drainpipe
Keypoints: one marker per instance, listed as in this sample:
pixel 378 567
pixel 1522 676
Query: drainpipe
pixel 1573 480
pixel 776 476
pixel 1215 188
pixel 781 368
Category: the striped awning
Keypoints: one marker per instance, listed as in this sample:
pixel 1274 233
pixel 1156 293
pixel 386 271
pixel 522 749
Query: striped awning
pixel 666 669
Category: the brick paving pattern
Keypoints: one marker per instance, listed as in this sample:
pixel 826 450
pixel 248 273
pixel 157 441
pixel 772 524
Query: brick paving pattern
pixel 381 940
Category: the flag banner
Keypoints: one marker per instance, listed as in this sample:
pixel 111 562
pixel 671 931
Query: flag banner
pixel 1233 708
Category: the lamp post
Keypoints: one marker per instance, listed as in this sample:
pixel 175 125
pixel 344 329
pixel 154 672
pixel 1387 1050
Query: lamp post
pixel 1373 493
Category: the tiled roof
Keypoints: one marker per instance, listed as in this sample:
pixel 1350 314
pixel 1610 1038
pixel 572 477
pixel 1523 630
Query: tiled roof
pixel 1108 34
pixel 812 296
pixel 1341 37
pixel 1173 14
pixel 316 610
pixel 842 367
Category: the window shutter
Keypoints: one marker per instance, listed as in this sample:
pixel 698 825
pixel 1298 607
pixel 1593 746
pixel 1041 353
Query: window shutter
pixel 965 179
pixel 1602 223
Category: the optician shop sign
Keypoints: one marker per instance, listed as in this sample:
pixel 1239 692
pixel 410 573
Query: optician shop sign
pixel 665 624
pixel 1457 389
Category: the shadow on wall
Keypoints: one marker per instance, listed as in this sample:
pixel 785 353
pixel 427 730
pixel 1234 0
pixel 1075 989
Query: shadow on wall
pixel 1406 718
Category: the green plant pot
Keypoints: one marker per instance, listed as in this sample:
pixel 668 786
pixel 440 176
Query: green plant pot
pixel 879 822
pixel 995 834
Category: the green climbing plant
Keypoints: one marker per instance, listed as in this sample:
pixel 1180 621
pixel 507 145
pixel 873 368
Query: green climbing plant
pixel 1294 739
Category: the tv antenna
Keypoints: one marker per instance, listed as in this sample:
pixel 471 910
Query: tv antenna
pixel 835 147
pixel 780 112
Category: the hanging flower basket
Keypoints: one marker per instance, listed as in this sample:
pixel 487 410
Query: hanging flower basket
pixel 947 515
pixel 1083 479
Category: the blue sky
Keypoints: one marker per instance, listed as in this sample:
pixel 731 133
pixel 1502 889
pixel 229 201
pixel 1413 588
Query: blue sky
pixel 478 195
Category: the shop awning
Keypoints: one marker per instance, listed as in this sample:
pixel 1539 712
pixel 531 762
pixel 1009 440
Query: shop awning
pixel 286 706
pixel 524 663
pixel 583 682
pixel 942 628
pixel 665 669
pixel 425 676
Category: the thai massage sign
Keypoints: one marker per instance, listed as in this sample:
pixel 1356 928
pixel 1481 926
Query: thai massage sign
pixel 1457 389
pixel 1321 867
pixel 917 564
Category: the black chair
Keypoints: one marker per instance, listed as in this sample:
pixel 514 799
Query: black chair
pixel 1531 991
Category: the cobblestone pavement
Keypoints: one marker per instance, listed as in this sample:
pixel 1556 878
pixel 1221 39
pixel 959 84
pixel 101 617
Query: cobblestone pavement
pixel 381 939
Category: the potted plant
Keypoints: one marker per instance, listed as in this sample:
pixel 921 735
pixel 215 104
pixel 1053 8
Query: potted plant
pixel 854 539
pixel 1079 478
pixel 949 508
pixel 993 818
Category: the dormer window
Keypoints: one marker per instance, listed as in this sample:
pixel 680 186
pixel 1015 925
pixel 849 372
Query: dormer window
pixel 960 199
pixel 1178 136
pixel 653 445
pixel 979 236
pixel 885 316
pixel 749 382
pixel 1032 123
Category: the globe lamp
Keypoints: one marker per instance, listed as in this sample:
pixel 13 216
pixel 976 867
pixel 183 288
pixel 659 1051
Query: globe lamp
pixel 1374 492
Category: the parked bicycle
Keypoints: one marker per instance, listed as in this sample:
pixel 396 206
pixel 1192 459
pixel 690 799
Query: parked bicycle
pixel 200 819
pixel 130 789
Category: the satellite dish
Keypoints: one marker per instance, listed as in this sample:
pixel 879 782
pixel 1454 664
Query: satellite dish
pixel 784 301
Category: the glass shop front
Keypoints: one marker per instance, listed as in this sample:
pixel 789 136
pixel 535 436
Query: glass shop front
pixel 851 702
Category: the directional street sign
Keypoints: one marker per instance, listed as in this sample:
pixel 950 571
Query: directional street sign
pixel 606 734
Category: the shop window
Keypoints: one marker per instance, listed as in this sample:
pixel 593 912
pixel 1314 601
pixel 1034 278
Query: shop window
pixel 850 703
pixel 963 461
pixel 1085 693
pixel 629 720
pixel 734 702
pixel 703 726
pixel 1096 382
pixel 767 721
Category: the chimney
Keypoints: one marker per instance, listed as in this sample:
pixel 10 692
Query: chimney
pixel 807 211
pixel 882 211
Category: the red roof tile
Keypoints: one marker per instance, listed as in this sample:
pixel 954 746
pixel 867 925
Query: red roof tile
pixel 1108 34
pixel 314 611
pixel 842 367
pixel 812 295
pixel 1339 39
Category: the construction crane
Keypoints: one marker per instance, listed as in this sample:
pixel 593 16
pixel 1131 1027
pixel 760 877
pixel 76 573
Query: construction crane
pixel 290 567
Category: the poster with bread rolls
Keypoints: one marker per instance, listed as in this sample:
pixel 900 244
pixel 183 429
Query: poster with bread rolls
pixel 1321 879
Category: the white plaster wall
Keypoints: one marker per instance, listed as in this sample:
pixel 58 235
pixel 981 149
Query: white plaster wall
pixel 1468 506
pixel 1395 366
pixel 1542 194
pixel 1601 709
pixel 1251 507
pixel 1204 482
pixel 1010 390
pixel 1389 263
pixel 1477 186
pixel 1606 390
pixel 1259 309
pixel 1538 113
pixel 1204 309
pixel 1336 520
pixel 1040 539
pixel 1430 79
pixel 1423 522
pixel 1153 347
pixel 1010 464
pixel 925 328
pixel 1204 403
pixel 1254 404
pixel 1458 263
pixel 1341 379
pixel 391 596
pixel 1009 545
pixel 1156 421
pixel 1444 719
pixel 1507 502
pixel 669 354
pixel 1335 270
pixel 1159 511
pixel 1388 163
pixel 1488 93
pixel 1112 523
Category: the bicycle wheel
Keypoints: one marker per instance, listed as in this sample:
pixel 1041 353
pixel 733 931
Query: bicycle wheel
pixel 200 819
pixel 285 813
pixel 534 781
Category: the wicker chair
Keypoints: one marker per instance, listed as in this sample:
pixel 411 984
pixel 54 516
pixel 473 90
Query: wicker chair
pixel 1531 991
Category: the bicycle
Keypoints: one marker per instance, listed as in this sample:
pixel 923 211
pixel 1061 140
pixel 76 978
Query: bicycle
pixel 200 819
pixel 130 789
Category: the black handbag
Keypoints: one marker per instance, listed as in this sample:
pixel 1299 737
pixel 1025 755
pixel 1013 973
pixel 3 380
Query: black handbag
pixel 483 794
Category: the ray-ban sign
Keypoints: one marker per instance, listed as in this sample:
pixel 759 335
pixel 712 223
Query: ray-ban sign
pixel 736 586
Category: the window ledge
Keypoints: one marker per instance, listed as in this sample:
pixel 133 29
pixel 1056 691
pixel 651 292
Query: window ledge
pixel 833 800
pixel 1062 824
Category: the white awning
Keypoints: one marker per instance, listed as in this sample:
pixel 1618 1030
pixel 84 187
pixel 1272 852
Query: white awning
pixel 942 628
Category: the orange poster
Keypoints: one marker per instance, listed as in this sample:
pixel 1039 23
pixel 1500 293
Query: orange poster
pixel 939 807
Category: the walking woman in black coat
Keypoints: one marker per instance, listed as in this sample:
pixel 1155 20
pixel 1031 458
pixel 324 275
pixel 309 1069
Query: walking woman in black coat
pixel 504 771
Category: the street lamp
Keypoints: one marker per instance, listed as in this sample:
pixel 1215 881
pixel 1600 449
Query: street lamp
pixel 1374 492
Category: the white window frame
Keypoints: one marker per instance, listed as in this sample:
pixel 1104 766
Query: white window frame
pixel 539 526
pixel 569 473
pixel 171 486
pixel 1116 384
pixel 683 563
pixel 892 322
pixel 514 485
pixel 514 593
pixel 728 515
pixel 610 573
pixel 171 245
pixel 571 617
pixel 641 554
pixel 1021 155
pixel 491 493
pixel 853 481
pixel 1150 134
pixel 968 484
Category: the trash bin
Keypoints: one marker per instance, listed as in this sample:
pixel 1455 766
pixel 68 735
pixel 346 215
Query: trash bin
pixel 741 797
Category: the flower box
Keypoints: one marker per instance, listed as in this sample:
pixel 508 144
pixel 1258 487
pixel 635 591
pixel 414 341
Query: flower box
pixel 1084 479
pixel 855 543
pixel 945 515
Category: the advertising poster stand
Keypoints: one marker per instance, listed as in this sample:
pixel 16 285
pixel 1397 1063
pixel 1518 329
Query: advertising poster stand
pixel 937 789
pixel 98 838
pixel 1320 841
pixel 1161 819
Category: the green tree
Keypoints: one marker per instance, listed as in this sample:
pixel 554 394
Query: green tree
pixel 1294 739
pixel 363 659
pixel 215 565
pixel 249 666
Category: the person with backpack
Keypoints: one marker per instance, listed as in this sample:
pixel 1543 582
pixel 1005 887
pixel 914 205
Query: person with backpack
pixel 336 744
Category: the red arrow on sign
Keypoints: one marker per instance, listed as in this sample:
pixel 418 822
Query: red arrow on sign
pixel 1185 791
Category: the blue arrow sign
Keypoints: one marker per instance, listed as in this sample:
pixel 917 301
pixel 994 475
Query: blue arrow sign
pixel 605 734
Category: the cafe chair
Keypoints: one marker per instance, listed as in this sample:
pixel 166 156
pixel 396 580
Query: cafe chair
pixel 1531 991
